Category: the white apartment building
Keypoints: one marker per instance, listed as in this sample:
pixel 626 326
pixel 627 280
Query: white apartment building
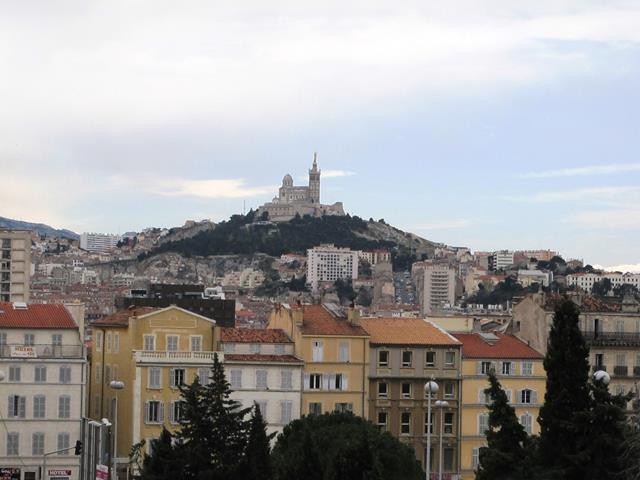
pixel 435 285
pixel 327 263
pixel 15 265
pixel 501 260
pixel 262 369
pixel 98 242
pixel 528 277
pixel 585 281
pixel 42 361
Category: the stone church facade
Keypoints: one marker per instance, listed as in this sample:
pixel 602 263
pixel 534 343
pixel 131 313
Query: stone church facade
pixel 302 200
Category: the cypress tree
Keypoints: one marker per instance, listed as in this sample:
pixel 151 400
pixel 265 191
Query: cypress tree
pixel 163 463
pixel 258 451
pixel 567 393
pixel 505 454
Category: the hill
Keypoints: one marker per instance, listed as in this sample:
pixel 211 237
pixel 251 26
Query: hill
pixel 41 228
pixel 242 235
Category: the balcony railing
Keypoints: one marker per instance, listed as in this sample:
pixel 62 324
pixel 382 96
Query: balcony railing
pixel 611 338
pixel 621 370
pixel 40 351
pixel 595 368
pixel 157 356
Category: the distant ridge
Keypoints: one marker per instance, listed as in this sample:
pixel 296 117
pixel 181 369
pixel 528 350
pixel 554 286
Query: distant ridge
pixel 41 228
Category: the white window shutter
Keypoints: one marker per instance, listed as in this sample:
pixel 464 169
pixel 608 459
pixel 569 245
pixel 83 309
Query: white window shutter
pixel 534 397
pixel 23 407
pixel 160 412
pixel 479 368
pixel 327 382
pixel 332 381
pixel 307 380
pixel 146 411
pixel 345 382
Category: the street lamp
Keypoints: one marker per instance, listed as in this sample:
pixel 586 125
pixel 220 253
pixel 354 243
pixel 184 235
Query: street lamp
pixel 115 385
pixel 441 404
pixel 602 376
pixel 430 388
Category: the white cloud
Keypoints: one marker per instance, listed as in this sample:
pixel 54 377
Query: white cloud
pixel 633 268
pixel 210 189
pixel 336 173
pixel 585 171
pixel 619 218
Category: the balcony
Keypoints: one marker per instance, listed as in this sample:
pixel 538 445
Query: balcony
pixel 156 356
pixel 620 371
pixel 40 351
pixel 595 368
pixel 612 339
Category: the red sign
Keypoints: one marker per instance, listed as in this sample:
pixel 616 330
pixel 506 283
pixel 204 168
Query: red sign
pixel 102 472
pixel 9 473
pixel 59 473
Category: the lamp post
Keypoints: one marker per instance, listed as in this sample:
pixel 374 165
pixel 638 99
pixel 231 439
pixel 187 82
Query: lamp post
pixel 430 388
pixel 115 385
pixel 440 404
pixel 601 376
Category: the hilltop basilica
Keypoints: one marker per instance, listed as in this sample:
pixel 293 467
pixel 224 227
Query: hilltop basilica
pixel 302 200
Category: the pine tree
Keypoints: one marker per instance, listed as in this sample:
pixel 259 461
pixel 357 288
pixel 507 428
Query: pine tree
pixel 567 394
pixel 505 454
pixel 258 452
pixel 164 462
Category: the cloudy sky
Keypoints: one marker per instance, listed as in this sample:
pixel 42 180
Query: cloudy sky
pixel 493 124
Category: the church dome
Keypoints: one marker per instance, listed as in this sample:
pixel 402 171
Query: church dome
pixel 287 181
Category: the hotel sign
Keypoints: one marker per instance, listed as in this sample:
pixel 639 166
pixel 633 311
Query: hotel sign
pixel 9 473
pixel 23 351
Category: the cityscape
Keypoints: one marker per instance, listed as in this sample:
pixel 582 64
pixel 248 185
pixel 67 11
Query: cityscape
pixel 320 241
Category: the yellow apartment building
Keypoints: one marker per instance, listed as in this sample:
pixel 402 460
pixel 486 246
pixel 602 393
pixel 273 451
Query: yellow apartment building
pixel 151 351
pixel 520 371
pixel 335 350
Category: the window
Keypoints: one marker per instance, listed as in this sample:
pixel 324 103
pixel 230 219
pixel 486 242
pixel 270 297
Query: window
pixel 405 423
pixel 29 339
pixel 315 408
pixel 383 418
pixel 261 379
pixel 108 341
pixel 149 343
pixel 64 406
pixel 483 423
pixel 344 407
pixel 99 341
pixel 65 374
pixel 406 390
pixel 177 377
pixel 428 423
pixel 449 359
pixel 407 358
pixel 317 352
pixel 3 338
pixel 315 381
pixel 14 373
pixel 63 442
pixel 449 390
pixel 279 349
pixel 448 423
pixel 56 340
pixel 254 348
pixel 621 360
pixel 619 326
pixel 172 343
pixel 430 359
pixel 107 373
pixel 344 352
pixel 526 421
pixel 507 368
pixel 383 358
pixel 383 389
pixel 153 411
pixel 528 397
pixel 203 376
pixel 285 411
pixel 37 444
pixel 155 378
pixel 39 410
pixel 98 373
pixel 177 408
pixel 286 380
pixel 447 459
pixel 17 406
pixel 262 405
pixel 116 342
pixel 40 374
pixel 13 442
pixel 338 381
pixel 527 369
pixel 475 458
pixel 229 347
pixel 235 377
pixel 486 367
pixel 600 361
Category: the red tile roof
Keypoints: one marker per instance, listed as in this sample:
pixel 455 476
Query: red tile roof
pixel 253 335
pixel 317 320
pixel 406 331
pixel 121 318
pixel 258 358
pixel 507 346
pixel 36 315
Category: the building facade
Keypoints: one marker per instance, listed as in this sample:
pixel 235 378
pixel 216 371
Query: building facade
pixel 335 351
pixel 435 285
pixel 98 242
pixel 501 260
pixel 585 281
pixel 521 373
pixel 15 265
pixel 42 360
pixel 405 353
pixel 263 370
pixel 327 263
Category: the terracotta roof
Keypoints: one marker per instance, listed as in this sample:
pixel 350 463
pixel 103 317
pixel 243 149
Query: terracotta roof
pixel 35 315
pixel 586 304
pixel 405 331
pixel 318 320
pixel 258 358
pixel 507 346
pixel 254 335
pixel 121 318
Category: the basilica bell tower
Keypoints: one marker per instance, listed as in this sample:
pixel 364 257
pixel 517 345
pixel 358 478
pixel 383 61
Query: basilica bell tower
pixel 314 181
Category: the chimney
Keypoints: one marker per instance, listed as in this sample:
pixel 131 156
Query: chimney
pixel 353 316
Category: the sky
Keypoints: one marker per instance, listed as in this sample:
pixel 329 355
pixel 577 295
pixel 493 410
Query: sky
pixel 486 124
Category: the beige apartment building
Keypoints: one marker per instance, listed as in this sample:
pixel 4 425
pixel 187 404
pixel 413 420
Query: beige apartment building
pixel 15 265
pixel 435 285
pixel 405 354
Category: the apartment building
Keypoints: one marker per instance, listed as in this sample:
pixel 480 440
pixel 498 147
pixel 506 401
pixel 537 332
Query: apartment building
pixel 42 380
pixel 521 373
pixel 435 285
pixel 98 242
pixel 327 263
pixel 335 351
pixel 152 352
pixel 406 353
pixel 501 260
pixel 262 369
pixel 15 265
pixel 585 281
